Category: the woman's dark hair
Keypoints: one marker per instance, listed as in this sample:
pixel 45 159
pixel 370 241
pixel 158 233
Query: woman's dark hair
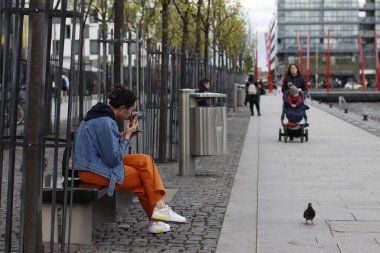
pixel 202 82
pixel 251 79
pixel 120 96
pixel 298 70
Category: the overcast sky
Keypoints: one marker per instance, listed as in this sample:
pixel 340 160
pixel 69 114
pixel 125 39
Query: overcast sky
pixel 260 12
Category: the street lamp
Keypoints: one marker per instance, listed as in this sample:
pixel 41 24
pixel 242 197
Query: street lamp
pixel 316 65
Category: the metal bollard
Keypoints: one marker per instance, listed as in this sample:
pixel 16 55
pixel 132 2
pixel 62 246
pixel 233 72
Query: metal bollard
pixel 235 96
pixel 185 159
pixel 238 96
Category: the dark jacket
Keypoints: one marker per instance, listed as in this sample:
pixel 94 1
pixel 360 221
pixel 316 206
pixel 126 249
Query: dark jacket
pixel 202 101
pixel 297 80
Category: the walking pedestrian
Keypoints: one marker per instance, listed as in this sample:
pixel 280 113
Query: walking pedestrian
pixel 293 76
pixel 65 84
pixel 252 94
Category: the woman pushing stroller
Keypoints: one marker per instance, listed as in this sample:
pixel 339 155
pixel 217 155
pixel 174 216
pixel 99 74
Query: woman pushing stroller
pixel 293 77
pixel 294 109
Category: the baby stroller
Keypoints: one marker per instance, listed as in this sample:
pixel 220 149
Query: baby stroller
pixel 294 128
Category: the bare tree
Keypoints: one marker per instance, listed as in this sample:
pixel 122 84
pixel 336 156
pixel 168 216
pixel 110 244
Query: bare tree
pixel 198 29
pixel 163 134
pixel 118 44
pixel 185 38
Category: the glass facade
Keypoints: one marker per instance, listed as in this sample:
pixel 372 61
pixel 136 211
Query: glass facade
pixel 343 18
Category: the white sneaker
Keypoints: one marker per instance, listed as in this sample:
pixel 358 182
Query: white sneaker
pixel 167 214
pixel 156 227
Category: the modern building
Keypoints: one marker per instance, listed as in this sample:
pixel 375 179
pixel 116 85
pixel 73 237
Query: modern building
pixel 92 47
pixel 344 19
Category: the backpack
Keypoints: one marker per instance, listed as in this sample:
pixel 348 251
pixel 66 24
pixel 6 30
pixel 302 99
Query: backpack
pixel 252 89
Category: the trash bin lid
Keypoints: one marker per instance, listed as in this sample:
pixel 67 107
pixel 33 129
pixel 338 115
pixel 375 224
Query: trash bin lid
pixel 208 95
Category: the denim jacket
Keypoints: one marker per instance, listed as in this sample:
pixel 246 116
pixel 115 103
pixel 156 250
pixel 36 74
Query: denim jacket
pixel 98 147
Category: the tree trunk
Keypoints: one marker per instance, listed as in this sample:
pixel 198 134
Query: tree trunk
pixel 164 83
pixel 32 241
pixel 205 59
pixel 117 50
pixel 185 43
pixel 198 29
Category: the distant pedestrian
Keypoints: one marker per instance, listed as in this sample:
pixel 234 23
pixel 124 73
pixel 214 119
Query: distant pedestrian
pixel 279 87
pixel 203 86
pixel 293 76
pixel 252 94
pixel 65 84
pixel 261 87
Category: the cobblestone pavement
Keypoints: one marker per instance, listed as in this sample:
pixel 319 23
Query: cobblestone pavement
pixel 202 200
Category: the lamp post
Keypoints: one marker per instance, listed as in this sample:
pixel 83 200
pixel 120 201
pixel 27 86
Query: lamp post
pixel 316 65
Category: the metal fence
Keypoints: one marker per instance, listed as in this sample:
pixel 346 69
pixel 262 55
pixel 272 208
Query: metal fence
pixel 32 149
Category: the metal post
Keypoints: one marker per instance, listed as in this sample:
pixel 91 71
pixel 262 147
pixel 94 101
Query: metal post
pixel 186 160
pixel 235 96
pixel 130 59
pixel 316 66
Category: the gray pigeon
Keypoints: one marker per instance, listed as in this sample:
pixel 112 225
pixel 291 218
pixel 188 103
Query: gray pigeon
pixel 309 213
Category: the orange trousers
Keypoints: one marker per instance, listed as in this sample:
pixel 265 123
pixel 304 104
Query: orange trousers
pixel 140 176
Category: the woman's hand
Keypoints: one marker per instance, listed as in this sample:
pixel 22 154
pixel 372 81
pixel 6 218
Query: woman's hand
pixel 131 127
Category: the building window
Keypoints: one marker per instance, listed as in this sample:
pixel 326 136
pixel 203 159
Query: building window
pixel 56 20
pixel 94 49
pixel 93 18
pixel 55 47
pixel 86 31
pixel 76 47
pixel 67 31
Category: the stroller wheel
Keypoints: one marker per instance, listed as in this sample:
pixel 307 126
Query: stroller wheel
pixel 279 134
pixel 306 135
pixel 291 138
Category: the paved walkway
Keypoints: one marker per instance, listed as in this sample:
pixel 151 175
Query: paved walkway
pixel 337 170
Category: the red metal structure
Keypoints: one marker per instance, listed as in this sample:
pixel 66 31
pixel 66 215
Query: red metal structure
pixel 308 61
pixel 377 63
pixel 300 53
pixel 361 60
pixel 267 44
pixel 328 63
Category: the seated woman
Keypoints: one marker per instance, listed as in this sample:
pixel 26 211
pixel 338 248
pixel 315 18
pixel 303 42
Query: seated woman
pixel 100 158
pixel 294 107
pixel 203 86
